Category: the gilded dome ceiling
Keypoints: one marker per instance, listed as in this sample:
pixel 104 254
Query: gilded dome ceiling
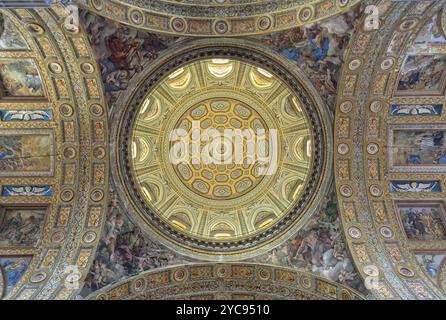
pixel 223 151
pixel 219 187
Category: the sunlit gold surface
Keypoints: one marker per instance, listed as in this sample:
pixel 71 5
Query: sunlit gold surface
pixel 220 201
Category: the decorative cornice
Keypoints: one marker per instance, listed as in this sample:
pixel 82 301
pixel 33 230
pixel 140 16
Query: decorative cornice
pixel 197 19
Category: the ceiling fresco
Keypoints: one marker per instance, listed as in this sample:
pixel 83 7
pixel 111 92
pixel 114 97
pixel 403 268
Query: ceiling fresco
pixel 188 198
pixel 100 200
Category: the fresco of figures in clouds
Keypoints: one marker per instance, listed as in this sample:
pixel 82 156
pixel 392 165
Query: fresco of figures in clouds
pixel 319 248
pixel 21 227
pixel 19 79
pixel 10 37
pixel 431 263
pixel 123 52
pixel 318 50
pixel 13 269
pixel 423 74
pixel 125 250
pixel 422 221
pixel 418 147
pixel 25 154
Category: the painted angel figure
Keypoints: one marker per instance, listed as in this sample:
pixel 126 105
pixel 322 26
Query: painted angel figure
pixel 415 186
pixel 426 109
pixel 27 191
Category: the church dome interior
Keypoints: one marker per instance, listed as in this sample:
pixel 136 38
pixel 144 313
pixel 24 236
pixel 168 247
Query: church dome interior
pixel 223 150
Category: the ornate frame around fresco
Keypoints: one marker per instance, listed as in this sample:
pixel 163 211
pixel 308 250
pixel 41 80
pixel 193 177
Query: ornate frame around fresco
pixel 217 18
pixel 190 50
pixel 362 171
pixel 78 187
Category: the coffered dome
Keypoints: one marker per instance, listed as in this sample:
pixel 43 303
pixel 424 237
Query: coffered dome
pixel 224 148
